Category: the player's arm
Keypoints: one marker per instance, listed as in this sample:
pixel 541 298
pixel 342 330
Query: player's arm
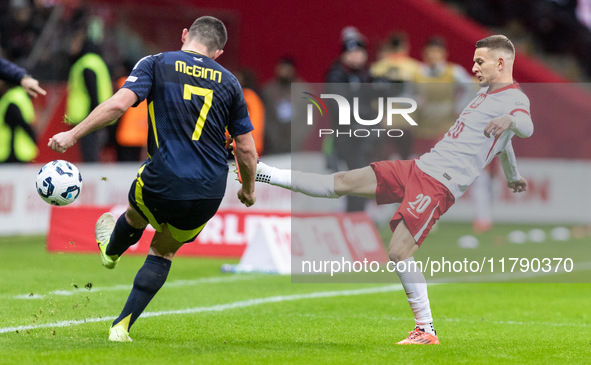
pixel 246 160
pixel 509 163
pixel 17 75
pixel 519 121
pixel 100 117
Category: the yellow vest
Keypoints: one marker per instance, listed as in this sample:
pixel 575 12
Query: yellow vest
pixel 24 146
pixel 437 94
pixel 395 68
pixel 78 103
pixel 446 76
pixel 399 69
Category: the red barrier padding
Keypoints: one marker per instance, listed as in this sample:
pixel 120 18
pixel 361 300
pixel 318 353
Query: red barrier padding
pixel 228 232
pixel 71 229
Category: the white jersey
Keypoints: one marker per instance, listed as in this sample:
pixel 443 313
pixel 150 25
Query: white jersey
pixel 457 160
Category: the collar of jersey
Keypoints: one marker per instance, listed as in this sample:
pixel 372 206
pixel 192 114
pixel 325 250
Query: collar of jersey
pixel 193 52
pixel 514 85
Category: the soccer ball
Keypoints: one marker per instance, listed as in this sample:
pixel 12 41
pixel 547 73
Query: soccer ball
pixel 59 182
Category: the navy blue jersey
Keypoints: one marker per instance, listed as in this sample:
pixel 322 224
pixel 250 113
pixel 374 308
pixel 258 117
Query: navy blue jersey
pixel 191 101
pixel 11 72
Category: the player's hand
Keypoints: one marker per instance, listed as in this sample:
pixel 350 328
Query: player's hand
pixel 245 198
pixel 32 87
pixel 61 142
pixel 518 186
pixel 497 126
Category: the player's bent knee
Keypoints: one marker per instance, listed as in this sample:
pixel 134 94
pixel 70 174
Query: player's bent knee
pixel 166 252
pixel 395 255
pixel 402 244
pixel 164 245
pixel 398 253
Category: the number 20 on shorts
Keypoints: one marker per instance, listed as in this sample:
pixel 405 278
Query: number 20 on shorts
pixel 420 204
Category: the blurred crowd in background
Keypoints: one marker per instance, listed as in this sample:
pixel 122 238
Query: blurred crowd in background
pixel 557 31
pixel 71 43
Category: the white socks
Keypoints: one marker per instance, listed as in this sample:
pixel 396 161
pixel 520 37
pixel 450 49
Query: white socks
pixel 415 286
pixel 316 185
pixel 311 184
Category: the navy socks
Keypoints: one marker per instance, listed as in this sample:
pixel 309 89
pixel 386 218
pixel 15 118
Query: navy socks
pixel 123 236
pixel 148 281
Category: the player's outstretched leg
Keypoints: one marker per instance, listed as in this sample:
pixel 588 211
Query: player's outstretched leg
pixel 359 182
pixel 148 281
pixel 311 184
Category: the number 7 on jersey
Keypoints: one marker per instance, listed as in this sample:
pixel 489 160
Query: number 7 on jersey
pixel 207 94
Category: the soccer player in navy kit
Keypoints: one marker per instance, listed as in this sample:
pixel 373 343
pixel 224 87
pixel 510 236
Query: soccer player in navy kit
pixel 191 102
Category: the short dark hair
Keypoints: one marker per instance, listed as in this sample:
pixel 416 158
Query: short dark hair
pixel 287 60
pixel 210 32
pixel 436 41
pixel 497 42
pixel 398 40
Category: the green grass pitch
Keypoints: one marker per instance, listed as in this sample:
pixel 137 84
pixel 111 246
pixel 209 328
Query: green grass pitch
pixel 57 309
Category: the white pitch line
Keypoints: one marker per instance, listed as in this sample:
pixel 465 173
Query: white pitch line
pixel 172 284
pixel 260 301
pixel 250 302
pixel 492 278
pixel 219 307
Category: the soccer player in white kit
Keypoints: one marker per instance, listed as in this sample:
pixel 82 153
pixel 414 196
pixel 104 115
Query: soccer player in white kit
pixel 427 187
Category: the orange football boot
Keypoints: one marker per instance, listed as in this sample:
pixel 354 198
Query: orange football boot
pixel 419 337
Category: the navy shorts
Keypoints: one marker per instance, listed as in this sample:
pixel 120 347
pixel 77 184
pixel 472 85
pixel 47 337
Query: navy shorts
pixel 185 218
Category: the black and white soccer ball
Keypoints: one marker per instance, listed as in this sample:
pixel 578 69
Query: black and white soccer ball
pixel 59 182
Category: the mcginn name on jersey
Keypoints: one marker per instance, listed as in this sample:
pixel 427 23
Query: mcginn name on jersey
pixel 197 71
